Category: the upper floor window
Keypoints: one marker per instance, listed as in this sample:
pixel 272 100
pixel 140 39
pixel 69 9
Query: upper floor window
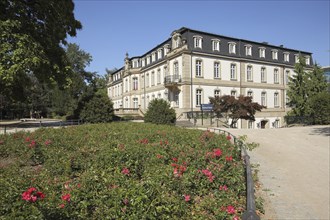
pixel 126 85
pixel 307 60
pixel 148 60
pixel 166 49
pixel 153 57
pixel 249 75
pixel 217 92
pixel 158 76
pixel 232 47
pixel 176 68
pixel 135 63
pixel 276 99
pixel 147 80
pixel 152 78
pixel 250 124
pixel 233 71
pixel 287 75
pixel 264 99
pixel 198 40
pixel 263 74
pixel 135 83
pixel 286 57
pixel 216 45
pixel 159 54
pixel 198 68
pixel 143 62
pixel 296 58
pixel 274 54
pixel 216 70
pixel 262 52
pixel 248 50
pixel 276 76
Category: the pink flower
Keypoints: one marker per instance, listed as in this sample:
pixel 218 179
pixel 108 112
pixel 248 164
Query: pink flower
pixel 48 142
pixel 125 171
pixel 228 137
pixel 208 174
pixel 32 144
pixel 66 197
pixel 235 218
pixel 175 159
pixel 224 188
pixel 27 139
pixel 230 158
pixel 217 152
pixel 231 209
pixel 62 206
pixel 30 195
pixel 186 198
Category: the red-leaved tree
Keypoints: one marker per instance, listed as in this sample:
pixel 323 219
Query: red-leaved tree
pixel 229 107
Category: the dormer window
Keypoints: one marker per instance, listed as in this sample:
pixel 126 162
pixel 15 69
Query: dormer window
pixel 166 49
pixel 232 47
pixel 307 60
pixel 248 50
pixel 286 56
pixel 198 40
pixel 153 57
pixel 262 52
pixel 216 45
pixel 274 54
pixel 148 59
pixel 159 54
pixel 296 58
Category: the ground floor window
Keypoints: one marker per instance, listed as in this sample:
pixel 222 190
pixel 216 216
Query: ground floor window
pixel 250 124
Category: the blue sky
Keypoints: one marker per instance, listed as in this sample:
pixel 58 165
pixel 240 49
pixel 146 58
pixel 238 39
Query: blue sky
pixel 112 28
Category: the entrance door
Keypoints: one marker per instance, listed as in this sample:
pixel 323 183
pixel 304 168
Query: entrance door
pixel 263 124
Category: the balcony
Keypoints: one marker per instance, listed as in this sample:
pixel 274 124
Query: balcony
pixel 172 80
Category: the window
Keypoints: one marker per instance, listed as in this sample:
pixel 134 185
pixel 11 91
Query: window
pixel 126 85
pixel 249 73
pixel 198 42
pixel 248 50
pixel 198 97
pixel 148 60
pixel 250 94
pixel 232 47
pixel 135 83
pixel 216 45
pixel 307 60
pixel 276 76
pixel 250 125
pixel 274 54
pixel 296 58
pixel 286 57
pixel 262 52
pixel 143 62
pixel 135 64
pixel 153 57
pixel 176 68
pixel 233 93
pixel 176 99
pixel 142 81
pixel 263 74
pixel 159 96
pixel 276 123
pixel 147 80
pixel 135 103
pixel 126 103
pixel 233 71
pixel 158 76
pixel 198 68
pixel 264 99
pixel 287 75
pixel 276 100
pixel 217 93
pixel 166 50
pixel 217 70
pixel 152 78
pixel 159 54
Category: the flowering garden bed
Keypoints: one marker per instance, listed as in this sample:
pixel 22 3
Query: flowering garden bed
pixel 120 171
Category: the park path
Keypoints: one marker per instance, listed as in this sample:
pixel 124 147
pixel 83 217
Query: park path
pixel 293 171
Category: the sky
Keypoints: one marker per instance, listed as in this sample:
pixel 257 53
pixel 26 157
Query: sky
pixel 112 28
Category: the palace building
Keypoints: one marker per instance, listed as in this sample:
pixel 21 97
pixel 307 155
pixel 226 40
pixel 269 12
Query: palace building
pixel 191 66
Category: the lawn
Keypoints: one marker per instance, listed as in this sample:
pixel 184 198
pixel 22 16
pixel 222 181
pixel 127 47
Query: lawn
pixel 120 171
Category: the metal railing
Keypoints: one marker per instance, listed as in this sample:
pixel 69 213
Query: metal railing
pixel 172 79
pixel 18 126
pixel 250 213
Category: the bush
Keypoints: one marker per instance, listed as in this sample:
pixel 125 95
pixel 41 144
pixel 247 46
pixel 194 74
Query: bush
pixel 320 107
pixel 120 171
pixel 160 112
pixel 97 110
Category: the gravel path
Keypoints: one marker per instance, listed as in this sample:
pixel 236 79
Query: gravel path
pixel 294 170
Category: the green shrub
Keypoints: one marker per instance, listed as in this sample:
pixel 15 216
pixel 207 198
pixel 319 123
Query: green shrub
pixel 320 107
pixel 120 171
pixel 160 112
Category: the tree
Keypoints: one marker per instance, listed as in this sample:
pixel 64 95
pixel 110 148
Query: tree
pixel 160 112
pixel 32 34
pixel 303 86
pixel 320 108
pixel 99 109
pixel 231 108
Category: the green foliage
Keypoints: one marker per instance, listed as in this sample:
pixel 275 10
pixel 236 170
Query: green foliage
pixel 98 109
pixel 303 86
pixel 231 108
pixel 320 108
pixel 121 171
pixel 160 112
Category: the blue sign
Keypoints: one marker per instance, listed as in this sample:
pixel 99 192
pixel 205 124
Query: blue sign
pixel 206 107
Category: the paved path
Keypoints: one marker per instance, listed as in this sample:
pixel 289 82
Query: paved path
pixel 294 170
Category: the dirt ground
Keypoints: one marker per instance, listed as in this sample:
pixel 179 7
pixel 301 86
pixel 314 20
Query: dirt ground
pixel 293 170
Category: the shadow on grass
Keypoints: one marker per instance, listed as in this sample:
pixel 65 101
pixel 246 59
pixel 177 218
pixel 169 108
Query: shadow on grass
pixel 324 131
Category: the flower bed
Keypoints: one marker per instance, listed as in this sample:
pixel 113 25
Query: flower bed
pixel 120 171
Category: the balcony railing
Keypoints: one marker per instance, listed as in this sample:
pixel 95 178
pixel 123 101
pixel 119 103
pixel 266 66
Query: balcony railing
pixel 172 79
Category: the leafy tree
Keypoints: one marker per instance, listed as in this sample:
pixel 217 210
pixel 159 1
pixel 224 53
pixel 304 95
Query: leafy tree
pixel 99 109
pixel 32 34
pixel 320 105
pixel 160 112
pixel 231 108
